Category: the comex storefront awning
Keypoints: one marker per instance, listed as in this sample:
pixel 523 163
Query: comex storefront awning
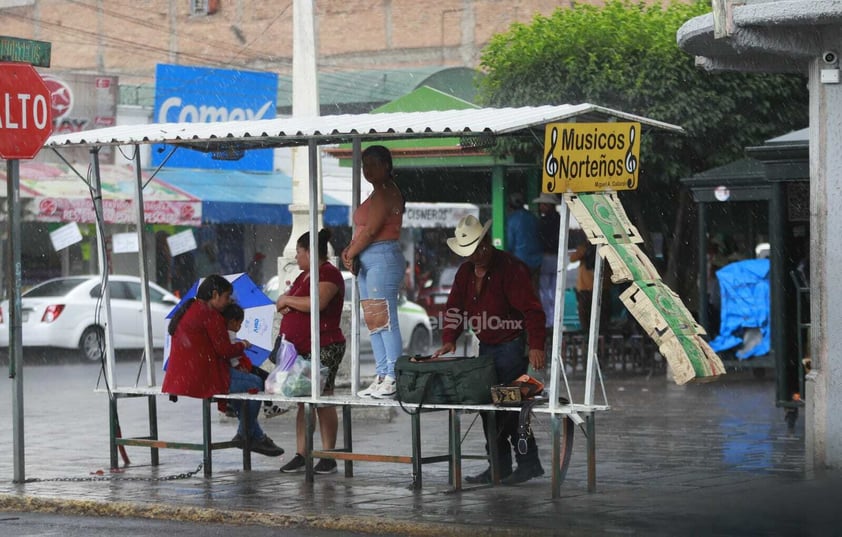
pixel 239 197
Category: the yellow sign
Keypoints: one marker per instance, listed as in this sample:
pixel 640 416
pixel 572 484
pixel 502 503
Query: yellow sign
pixel 590 157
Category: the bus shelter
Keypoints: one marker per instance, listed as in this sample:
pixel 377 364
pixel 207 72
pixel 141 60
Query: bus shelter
pixel 766 194
pixel 228 139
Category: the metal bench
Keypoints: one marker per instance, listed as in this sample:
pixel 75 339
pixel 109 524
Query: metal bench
pixel 563 423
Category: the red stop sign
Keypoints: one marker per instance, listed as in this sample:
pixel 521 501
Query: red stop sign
pixel 25 111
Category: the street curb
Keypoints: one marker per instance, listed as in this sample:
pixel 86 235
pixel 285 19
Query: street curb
pixel 367 525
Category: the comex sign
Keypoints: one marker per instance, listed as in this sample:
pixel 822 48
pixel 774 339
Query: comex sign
pixel 187 94
pixel 25 112
pixel 174 106
pixel 591 157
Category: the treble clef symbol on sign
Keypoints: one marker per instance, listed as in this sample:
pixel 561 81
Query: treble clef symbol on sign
pixel 631 160
pixel 550 162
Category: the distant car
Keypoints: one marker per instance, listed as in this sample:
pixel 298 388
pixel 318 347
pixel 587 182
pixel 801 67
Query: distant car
pixel 416 331
pixel 68 313
pixel 433 294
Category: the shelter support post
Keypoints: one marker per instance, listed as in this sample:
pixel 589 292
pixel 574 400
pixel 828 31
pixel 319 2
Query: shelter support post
pixel 777 296
pixel 355 294
pixel 593 332
pixel 104 269
pixel 556 364
pixel 590 427
pixel 309 428
pixel 347 439
pixel 455 473
pixel 315 340
pixel 498 206
pixel 417 481
pixel 144 275
pixel 701 240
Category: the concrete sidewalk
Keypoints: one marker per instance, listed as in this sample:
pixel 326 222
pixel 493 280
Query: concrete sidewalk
pixel 708 459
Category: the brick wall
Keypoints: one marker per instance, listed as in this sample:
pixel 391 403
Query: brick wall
pixel 127 38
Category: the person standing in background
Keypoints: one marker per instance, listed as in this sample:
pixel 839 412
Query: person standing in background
pixel 522 239
pixel 549 222
pixel 376 250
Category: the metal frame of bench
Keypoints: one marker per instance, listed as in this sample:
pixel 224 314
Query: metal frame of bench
pixel 563 422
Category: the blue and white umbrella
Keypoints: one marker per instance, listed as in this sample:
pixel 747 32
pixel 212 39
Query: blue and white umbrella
pixel 259 317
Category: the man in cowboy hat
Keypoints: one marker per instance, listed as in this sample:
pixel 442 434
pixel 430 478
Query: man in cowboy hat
pixel 491 294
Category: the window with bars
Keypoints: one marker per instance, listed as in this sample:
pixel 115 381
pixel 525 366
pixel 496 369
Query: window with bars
pixel 204 7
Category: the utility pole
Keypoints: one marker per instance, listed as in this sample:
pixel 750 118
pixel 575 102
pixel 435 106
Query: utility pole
pixel 305 103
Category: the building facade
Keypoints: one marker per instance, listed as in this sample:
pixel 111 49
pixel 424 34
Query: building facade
pixel 127 39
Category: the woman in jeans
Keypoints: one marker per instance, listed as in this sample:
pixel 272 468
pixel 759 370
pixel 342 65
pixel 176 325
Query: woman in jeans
pixel 199 363
pixel 381 266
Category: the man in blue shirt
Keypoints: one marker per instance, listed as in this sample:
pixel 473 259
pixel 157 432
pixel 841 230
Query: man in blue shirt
pixel 523 239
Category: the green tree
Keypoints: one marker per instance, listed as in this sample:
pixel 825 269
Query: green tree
pixel 624 55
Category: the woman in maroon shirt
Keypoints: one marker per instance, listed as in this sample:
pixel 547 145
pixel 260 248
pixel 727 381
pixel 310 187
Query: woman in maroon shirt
pixel 295 325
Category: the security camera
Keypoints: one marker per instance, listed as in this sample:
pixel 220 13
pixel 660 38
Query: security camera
pixel 830 57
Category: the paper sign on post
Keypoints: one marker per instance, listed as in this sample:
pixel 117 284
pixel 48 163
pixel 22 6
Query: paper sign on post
pixel 65 236
pixel 124 243
pixel 181 242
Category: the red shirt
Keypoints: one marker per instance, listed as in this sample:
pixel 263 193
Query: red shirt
pixel 199 355
pixel 505 305
pixel 296 324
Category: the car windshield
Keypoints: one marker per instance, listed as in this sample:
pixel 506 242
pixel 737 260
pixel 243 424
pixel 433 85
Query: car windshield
pixel 54 287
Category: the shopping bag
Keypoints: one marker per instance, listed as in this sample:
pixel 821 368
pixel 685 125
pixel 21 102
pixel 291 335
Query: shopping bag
pixel 284 356
pixel 298 380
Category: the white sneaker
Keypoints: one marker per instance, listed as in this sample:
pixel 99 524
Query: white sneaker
pixel 270 411
pixel 386 389
pixel 372 388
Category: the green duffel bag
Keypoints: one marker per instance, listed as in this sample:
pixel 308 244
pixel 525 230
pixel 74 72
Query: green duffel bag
pixel 445 380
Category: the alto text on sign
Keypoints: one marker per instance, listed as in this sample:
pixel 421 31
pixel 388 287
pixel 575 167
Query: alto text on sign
pixel 25 111
pixel 590 157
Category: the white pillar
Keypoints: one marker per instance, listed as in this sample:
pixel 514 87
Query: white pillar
pixel 305 103
pixel 824 383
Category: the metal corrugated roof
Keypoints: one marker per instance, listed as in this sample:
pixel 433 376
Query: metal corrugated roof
pixel 292 131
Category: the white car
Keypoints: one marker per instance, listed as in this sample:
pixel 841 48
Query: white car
pixel 416 331
pixel 68 313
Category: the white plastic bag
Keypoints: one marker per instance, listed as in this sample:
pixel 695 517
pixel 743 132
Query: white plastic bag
pixel 298 380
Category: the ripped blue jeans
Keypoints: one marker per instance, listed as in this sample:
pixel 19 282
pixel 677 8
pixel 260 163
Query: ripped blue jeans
pixel 382 267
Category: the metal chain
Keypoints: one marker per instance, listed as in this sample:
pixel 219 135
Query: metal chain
pixel 113 477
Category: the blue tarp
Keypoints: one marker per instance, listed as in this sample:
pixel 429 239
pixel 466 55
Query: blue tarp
pixel 232 196
pixel 744 288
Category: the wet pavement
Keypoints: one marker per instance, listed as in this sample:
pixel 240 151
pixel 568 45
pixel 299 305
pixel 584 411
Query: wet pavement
pixel 705 459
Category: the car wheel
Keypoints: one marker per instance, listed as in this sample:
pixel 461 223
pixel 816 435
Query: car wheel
pixel 92 344
pixel 419 342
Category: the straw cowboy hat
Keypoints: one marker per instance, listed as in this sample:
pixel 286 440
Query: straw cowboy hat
pixel 469 232
pixel 551 199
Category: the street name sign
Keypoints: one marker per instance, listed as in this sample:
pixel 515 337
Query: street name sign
pixel 15 49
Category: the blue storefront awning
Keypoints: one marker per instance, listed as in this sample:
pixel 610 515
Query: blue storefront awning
pixel 239 197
